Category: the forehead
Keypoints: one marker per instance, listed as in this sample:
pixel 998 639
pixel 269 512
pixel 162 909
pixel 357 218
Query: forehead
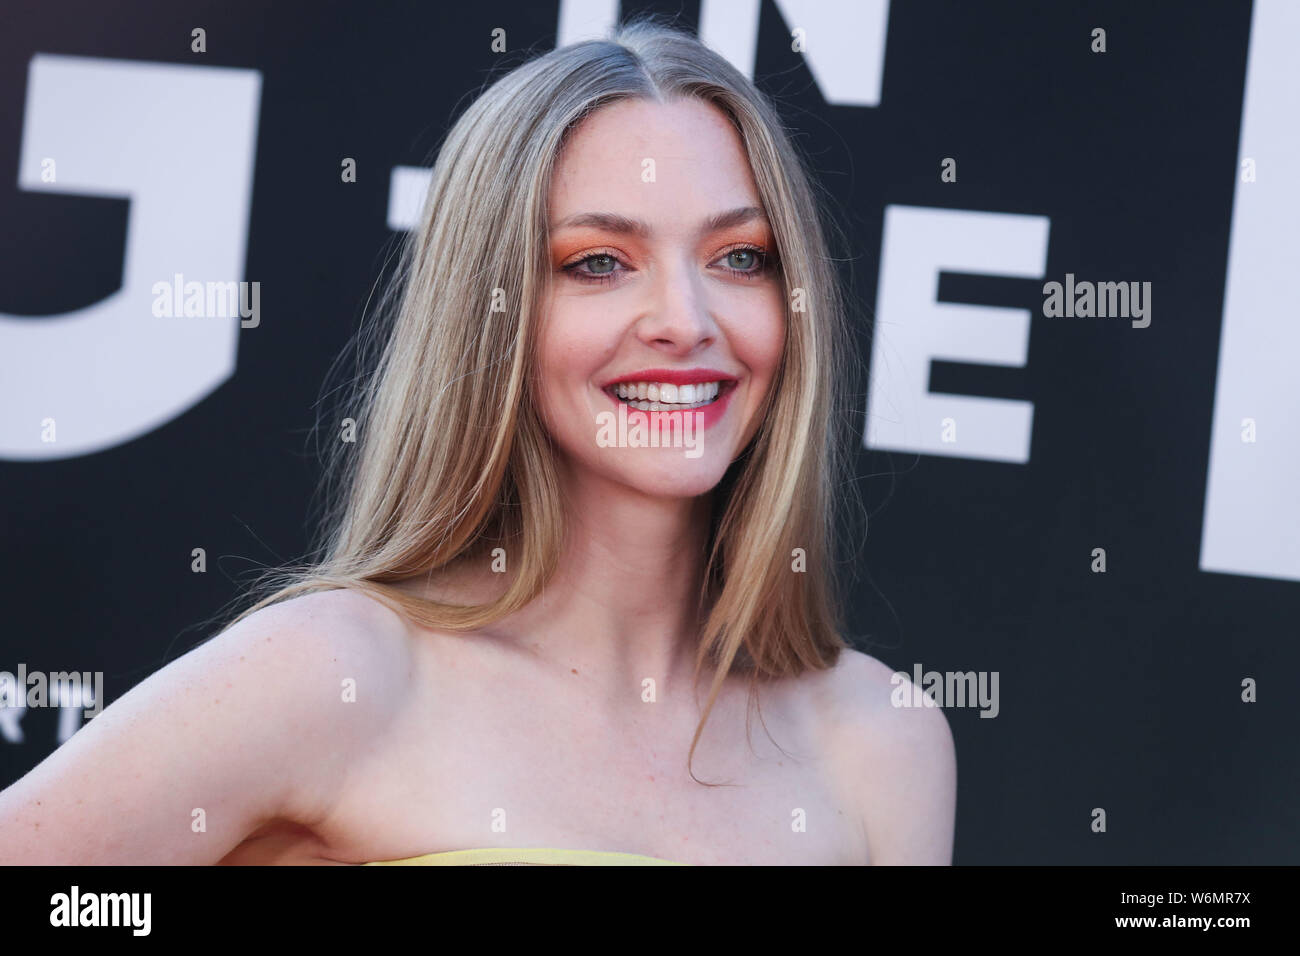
pixel 652 160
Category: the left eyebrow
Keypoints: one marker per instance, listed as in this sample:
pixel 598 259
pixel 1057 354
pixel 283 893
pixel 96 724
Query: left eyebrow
pixel 611 222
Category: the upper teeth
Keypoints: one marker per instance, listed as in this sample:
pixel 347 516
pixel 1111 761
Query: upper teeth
pixel 663 393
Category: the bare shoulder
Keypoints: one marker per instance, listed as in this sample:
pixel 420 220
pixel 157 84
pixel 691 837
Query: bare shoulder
pixel 327 628
pixel 255 725
pixel 341 658
pixel 897 759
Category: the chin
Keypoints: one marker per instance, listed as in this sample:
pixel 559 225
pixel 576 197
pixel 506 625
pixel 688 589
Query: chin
pixel 672 475
pixel 677 481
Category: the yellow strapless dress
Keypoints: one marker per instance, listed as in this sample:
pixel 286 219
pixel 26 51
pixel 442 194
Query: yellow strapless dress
pixel 528 856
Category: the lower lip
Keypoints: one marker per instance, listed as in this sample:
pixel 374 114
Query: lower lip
pixel 709 414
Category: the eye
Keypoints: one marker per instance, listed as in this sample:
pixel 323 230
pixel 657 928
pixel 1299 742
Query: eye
pixel 748 262
pixel 602 264
pixel 601 267
pixel 742 259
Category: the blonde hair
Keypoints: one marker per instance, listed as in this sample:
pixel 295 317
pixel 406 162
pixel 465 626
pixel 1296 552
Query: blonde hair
pixel 453 458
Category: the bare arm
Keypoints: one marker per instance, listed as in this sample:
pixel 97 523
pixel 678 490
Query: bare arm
pixel 248 728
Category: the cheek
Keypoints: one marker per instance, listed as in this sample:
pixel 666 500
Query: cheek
pixel 760 341
pixel 568 355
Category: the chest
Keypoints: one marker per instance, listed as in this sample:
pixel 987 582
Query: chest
pixel 547 783
pixel 477 765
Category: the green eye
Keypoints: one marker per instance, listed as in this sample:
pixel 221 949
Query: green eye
pixel 600 265
pixel 743 259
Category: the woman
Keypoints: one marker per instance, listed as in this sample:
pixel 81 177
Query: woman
pixel 499 656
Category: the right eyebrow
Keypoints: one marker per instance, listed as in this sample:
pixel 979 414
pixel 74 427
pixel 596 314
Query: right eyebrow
pixel 608 221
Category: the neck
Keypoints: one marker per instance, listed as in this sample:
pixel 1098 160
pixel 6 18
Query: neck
pixel 622 605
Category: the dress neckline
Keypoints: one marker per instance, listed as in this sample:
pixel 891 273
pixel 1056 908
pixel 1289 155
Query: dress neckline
pixel 528 856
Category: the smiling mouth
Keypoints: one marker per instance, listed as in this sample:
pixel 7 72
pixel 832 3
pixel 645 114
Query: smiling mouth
pixel 666 397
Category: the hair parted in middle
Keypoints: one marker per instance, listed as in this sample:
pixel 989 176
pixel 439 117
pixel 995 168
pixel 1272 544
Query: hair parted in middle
pixel 453 459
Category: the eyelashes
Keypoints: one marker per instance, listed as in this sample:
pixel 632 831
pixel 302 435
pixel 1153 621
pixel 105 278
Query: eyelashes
pixel 764 264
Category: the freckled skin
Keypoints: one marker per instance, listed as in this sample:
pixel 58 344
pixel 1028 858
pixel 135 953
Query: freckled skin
pixel 672 303
pixel 451 726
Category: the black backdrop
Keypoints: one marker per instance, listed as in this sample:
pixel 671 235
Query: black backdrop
pixel 1119 690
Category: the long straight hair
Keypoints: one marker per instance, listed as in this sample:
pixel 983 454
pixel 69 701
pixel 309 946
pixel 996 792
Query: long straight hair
pixel 452 459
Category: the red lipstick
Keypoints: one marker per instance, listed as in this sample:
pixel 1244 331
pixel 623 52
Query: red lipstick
pixel 708 415
pixel 689 376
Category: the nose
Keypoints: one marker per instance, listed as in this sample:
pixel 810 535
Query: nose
pixel 677 320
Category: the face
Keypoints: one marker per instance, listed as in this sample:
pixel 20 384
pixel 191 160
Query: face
pixel 664 322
